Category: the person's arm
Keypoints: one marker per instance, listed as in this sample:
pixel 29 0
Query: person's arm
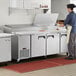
pixel 67 20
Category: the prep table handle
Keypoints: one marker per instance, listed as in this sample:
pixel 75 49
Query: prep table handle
pixel 63 35
pixel 41 37
pixel 50 36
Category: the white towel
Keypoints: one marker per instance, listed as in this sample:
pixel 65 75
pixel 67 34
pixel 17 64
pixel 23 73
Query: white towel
pixel 68 32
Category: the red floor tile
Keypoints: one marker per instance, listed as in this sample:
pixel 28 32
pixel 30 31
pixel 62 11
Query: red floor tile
pixel 31 66
pixel 37 65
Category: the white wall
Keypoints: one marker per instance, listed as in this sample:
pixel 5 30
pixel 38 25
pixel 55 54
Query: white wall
pixel 15 18
pixel 59 6
pixel 74 2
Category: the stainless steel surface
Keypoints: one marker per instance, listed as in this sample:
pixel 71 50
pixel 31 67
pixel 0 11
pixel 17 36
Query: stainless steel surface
pixel 38 45
pixel 45 19
pixel 5 49
pixel 52 43
pixel 19 26
pixel 63 43
pixel 21 47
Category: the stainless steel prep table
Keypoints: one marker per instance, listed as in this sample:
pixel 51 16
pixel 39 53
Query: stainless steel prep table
pixel 35 40
pixel 25 43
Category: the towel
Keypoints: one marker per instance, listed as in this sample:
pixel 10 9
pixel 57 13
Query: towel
pixel 68 32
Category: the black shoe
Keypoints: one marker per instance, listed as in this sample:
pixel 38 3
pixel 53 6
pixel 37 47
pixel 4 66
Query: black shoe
pixel 69 58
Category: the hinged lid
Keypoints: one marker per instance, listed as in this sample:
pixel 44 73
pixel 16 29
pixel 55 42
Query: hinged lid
pixel 45 19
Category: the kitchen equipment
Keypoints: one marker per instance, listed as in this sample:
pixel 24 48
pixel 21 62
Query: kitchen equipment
pixel 20 47
pixel 20 41
pixel 34 41
pixel 5 47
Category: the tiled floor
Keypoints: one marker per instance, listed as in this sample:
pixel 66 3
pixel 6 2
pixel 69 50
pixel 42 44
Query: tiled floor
pixel 67 70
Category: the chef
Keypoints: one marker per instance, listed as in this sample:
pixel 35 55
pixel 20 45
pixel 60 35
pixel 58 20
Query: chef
pixel 71 20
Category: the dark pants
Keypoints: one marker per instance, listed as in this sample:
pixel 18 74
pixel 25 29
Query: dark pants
pixel 72 45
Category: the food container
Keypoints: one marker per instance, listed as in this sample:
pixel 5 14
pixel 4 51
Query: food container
pixel 60 23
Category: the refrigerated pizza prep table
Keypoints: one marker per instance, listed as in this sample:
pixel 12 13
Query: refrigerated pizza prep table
pixel 35 41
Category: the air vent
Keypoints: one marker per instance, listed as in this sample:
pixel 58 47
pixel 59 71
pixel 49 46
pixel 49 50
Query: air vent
pixel 24 53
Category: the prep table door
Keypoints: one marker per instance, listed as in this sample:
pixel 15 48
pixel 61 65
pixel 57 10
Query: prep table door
pixel 64 45
pixel 38 45
pixel 52 44
pixel 5 49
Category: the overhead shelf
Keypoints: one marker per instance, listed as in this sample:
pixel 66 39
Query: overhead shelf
pixel 11 9
pixel 26 6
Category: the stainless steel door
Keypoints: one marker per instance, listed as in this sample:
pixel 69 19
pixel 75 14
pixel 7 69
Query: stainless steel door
pixel 63 43
pixel 5 49
pixel 38 45
pixel 52 44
